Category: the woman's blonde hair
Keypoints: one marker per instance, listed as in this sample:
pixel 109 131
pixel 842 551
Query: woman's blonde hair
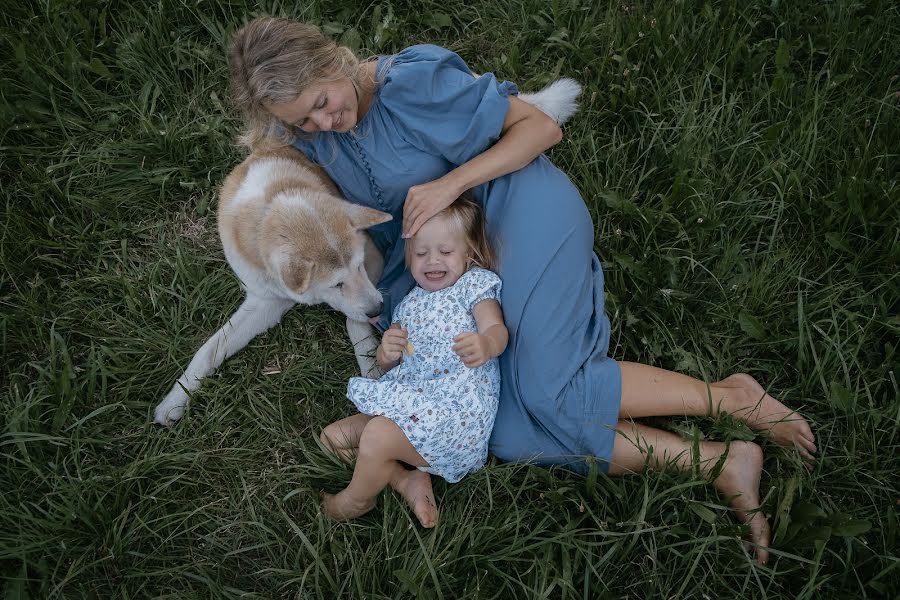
pixel 274 60
pixel 467 216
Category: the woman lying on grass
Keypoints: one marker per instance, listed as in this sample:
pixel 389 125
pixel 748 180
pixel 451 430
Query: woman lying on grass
pixel 407 134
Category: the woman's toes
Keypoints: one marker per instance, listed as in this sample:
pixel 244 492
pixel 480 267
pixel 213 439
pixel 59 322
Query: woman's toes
pixel 739 483
pixel 762 412
pixel 759 535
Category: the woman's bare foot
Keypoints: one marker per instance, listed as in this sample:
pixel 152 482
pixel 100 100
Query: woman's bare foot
pixel 739 484
pixel 415 487
pixel 762 412
pixel 343 507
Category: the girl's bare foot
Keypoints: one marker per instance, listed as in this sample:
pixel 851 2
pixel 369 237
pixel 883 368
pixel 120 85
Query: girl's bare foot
pixel 762 412
pixel 343 507
pixel 415 487
pixel 739 484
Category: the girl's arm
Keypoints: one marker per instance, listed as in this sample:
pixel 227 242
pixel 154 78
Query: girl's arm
pixel 391 348
pixel 383 363
pixel 475 349
pixel 489 319
pixel 525 134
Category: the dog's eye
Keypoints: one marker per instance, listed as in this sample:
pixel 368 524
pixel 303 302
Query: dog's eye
pixel 339 286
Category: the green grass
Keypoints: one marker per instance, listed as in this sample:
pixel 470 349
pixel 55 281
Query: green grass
pixel 740 160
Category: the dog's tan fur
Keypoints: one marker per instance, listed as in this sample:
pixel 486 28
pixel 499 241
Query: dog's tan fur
pixel 291 239
pixel 244 219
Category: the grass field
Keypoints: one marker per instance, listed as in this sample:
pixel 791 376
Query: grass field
pixel 740 160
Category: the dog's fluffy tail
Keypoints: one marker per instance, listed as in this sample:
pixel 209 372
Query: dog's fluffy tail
pixel 558 100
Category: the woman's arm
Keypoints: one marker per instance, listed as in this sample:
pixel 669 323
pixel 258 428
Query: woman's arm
pixel 526 133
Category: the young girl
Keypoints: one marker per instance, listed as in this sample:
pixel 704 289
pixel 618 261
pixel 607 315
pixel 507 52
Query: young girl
pixel 434 408
pixel 407 134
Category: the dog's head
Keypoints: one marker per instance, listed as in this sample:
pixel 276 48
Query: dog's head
pixel 316 247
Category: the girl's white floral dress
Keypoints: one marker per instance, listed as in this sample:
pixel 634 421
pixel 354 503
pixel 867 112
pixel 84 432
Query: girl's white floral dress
pixel 445 409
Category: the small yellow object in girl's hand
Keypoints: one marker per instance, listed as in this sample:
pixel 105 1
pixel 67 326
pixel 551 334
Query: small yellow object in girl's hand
pixel 410 349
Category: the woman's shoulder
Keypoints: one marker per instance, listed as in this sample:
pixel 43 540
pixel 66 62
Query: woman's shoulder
pixel 423 53
pixel 416 66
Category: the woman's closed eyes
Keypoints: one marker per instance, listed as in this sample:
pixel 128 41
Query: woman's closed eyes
pixel 318 106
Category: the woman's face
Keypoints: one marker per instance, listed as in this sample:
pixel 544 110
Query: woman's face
pixel 325 106
pixel 440 254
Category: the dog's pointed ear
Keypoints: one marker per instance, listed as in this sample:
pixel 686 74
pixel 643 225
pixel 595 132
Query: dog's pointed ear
pixel 363 217
pixel 296 274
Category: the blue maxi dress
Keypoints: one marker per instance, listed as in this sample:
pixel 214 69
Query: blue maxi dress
pixel 559 391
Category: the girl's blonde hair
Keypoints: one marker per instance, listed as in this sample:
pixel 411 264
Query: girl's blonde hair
pixel 467 216
pixel 274 60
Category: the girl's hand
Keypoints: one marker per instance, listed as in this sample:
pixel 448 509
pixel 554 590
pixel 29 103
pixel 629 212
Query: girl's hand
pixel 426 200
pixel 393 342
pixel 473 348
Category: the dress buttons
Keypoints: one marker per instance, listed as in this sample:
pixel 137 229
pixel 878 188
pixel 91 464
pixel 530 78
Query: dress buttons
pixel 377 193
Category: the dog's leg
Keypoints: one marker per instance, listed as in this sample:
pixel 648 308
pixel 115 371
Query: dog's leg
pixel 365 343
pixel 254 316
pixel 362 334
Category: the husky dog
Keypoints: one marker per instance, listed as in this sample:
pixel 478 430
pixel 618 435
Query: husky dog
pixel 291 239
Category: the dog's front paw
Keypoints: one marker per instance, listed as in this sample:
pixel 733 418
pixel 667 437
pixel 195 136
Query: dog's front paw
pixel 373 373
pixel 368 367
pixel 172 408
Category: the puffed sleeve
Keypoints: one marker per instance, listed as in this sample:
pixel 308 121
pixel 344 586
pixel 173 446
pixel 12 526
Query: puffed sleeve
pixel 440 107
pixel 481 285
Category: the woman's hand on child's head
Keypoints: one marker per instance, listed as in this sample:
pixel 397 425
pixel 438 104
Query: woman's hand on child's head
pixel 473 348
pixel 393 343
pixel 426 200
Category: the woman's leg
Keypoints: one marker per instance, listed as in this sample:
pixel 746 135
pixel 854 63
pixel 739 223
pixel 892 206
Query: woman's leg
pixel 649 391
pixel 381 444
pixel 637 446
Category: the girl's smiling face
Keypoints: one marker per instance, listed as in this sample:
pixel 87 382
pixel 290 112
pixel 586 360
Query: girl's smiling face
pixel 439 254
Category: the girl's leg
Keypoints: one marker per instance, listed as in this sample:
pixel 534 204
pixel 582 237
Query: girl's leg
pixel 649 391
pixel 342 437
pixel 637 446
pixel 381 444
pixel 415 487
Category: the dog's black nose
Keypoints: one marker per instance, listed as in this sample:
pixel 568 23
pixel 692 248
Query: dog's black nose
pixel 375 311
